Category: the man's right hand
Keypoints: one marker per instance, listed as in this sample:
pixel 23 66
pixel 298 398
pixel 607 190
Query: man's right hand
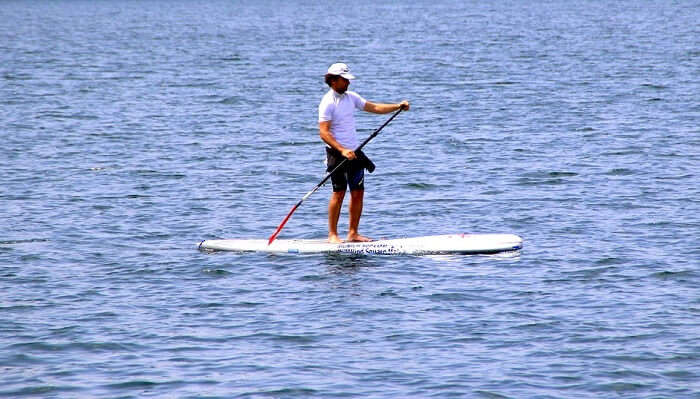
pixel 349 154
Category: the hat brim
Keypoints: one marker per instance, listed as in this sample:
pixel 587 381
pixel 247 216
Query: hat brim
pixel 347 76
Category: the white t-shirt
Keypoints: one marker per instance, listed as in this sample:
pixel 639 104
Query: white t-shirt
pixel 340 109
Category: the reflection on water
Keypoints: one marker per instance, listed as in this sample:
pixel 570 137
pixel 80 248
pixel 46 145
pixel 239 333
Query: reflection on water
pixel 348 263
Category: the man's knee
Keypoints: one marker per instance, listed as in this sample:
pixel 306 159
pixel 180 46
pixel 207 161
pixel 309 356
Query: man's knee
pixel 357 195
pixel 337 196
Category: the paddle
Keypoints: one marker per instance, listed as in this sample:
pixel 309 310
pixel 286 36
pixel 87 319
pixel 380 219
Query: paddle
pixel 294 208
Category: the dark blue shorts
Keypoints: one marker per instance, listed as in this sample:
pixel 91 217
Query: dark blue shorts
pixel 349 175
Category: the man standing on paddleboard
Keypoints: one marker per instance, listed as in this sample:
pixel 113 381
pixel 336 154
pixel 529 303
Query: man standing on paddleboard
pixel 336 122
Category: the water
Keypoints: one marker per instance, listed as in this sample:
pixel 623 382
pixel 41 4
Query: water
pixel 132 130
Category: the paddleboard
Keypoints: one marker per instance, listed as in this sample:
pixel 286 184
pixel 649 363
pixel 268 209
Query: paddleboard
pixel 464 244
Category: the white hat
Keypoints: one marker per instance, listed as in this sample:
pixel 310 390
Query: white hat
pixel 341 70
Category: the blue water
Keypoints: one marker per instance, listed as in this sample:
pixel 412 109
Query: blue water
pixel 132 130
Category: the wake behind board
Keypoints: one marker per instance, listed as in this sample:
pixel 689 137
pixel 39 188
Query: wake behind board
pixel 464 244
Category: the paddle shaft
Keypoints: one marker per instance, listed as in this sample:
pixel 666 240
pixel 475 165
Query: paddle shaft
pixel 328 176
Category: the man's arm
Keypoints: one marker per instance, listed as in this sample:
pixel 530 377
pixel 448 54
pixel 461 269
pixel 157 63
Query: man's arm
pixel 376 108
pixel 324 129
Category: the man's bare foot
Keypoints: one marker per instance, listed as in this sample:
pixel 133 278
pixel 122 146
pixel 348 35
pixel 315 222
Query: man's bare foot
pixel 334 239
pixel 358 238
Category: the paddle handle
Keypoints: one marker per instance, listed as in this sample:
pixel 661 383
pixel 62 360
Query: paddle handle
pixel 376 132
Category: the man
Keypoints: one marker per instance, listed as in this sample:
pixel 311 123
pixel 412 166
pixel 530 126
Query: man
pixel 336 122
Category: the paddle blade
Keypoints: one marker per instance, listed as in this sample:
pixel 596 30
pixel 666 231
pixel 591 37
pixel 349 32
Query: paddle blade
pixel 276 233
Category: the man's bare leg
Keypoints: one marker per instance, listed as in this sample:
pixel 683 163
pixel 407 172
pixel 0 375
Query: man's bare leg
pixel 334 205
pixel 355 210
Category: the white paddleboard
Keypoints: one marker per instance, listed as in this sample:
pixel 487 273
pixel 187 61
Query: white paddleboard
pixel 465 244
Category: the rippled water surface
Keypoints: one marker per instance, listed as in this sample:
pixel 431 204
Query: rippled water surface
pixel 132 130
